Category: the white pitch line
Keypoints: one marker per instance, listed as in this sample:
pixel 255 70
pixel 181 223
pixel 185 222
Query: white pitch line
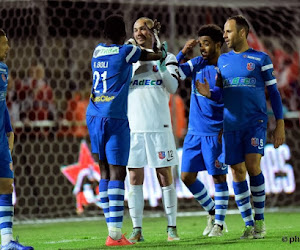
pixel 146 215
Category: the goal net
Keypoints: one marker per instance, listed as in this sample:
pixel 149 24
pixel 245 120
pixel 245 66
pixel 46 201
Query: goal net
pixel 50 80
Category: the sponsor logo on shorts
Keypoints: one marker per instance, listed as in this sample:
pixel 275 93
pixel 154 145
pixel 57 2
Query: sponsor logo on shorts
pixel 162 155
pixel 224 166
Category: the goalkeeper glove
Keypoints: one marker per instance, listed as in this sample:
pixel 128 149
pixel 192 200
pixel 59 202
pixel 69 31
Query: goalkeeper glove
pixel 162 63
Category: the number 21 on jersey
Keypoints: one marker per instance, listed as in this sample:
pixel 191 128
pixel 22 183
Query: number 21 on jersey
pixel 96 79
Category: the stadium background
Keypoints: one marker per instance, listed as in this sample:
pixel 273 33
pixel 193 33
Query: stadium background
pixel 50 78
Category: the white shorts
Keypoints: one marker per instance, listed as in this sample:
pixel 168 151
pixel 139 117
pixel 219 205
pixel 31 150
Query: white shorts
pixel 153 149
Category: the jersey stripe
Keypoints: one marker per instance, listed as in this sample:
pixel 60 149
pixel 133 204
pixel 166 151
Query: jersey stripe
pixel 271 82
pixel 191 65
pixel 266 67
pixel 134 48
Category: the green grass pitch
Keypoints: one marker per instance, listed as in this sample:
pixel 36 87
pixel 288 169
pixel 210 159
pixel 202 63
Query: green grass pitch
pixel 283 232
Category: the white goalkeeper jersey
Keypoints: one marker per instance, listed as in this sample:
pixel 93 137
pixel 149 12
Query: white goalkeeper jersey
pixel 148 99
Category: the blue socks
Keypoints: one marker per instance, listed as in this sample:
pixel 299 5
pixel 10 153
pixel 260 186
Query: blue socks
pixel 242 198
pixel 221 202
pixel 257 186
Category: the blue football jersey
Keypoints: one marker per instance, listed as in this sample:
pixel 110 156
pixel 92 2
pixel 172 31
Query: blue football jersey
pixel 206 116
pixel 112 72
pixel 244 77
pixel 5 125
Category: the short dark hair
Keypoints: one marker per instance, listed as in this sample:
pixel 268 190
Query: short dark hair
pixel 213 31
pixel 2 32
pixel 114 27
pixel 241 22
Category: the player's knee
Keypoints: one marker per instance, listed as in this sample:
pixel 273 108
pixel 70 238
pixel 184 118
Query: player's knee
pixel 254 170
pixel 165 177
pixel 118 173
pixel 136 176
pixel 219 179
pixel 238 174
pixel 188 178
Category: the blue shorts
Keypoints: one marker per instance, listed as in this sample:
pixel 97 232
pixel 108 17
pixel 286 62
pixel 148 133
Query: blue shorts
pixel 203 153
pixel 110 139
pixel 5 156
pixel 246 141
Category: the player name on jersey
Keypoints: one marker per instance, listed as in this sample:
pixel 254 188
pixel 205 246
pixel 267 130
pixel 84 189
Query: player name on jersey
pixel 101 64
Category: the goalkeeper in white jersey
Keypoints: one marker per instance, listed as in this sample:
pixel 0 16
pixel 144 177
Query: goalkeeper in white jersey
pixel 151 139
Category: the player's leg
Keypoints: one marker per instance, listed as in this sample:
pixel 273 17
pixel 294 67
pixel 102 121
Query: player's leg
pixel 221 205
pixel 214 163
pixel 257 186
pixel 169 197
pixel 103 187
pixel 192 163
pixel 255 142
pixel 235 157
pixel 136 162
pixel 117 138
pixel 96 127
pixel 136 203
pixel 161 154
pixel 7 209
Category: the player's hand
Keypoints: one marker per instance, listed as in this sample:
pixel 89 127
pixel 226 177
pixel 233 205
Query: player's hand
pixel 156 27
pixel 189 45
pixel 203 88
pixel 278 136
pixel 220 136
pixel 11 166
pixel 10 138
pixel 131 41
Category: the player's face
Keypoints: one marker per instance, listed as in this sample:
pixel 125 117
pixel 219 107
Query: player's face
pixel 207 47
pixel 231 34
pixel 142 35
pixel 4 47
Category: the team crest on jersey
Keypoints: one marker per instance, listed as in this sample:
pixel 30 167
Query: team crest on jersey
pixel 254 141
pixel 217 164
pixel 273 73
pixel 250 66
pixel 162 155
pixel 155 68
pixel 3 77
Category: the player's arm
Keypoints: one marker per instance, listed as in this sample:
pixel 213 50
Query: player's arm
pixel 276 103
pixel 8 130
pixel 215 94
pixel 135 53
pixel 169 73
pixel 189 45
pixel 150 56
pixel 186 69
